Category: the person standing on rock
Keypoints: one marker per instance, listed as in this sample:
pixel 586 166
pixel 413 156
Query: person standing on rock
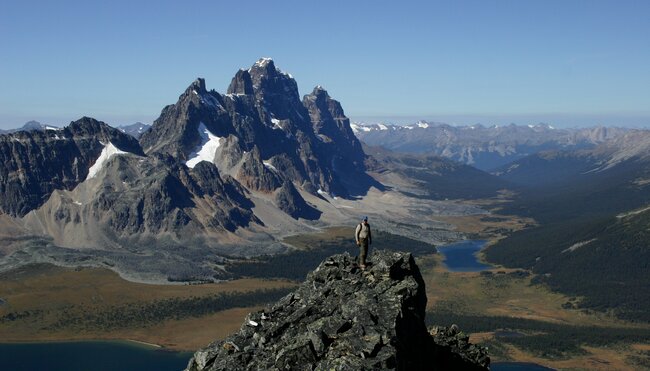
pixel 363 237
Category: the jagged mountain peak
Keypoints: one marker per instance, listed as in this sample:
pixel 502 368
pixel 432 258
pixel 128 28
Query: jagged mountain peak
pixel 269 82
pixel 319 92
pixel 262 110
pixel 87 123
pixel 241 83
pixel 198 85
pixel 264 62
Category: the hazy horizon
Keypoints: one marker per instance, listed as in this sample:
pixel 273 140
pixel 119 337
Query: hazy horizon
pixel 555 120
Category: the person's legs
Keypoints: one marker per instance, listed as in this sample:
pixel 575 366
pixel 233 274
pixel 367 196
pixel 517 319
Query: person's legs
pixel 363 251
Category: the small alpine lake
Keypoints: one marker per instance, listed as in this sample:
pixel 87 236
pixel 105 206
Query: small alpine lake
pixel 462 256
pixel 89 355
pixel 124 356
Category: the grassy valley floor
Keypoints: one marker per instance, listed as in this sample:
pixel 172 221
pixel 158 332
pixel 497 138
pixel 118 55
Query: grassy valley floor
pixel 47 303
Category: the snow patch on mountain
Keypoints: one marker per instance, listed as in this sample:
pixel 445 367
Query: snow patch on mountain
pixel 205 151
pixel 270 166
pixel 109 151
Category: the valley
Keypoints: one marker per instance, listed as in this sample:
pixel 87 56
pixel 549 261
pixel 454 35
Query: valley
pixel 481 303
pixel 46 303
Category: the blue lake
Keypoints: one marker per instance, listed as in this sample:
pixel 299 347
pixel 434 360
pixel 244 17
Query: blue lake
pixel 89 356
pixel 124 356
pixel 461 256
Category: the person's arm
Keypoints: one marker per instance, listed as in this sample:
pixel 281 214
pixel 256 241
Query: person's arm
pixel 356 233
pixel 369 235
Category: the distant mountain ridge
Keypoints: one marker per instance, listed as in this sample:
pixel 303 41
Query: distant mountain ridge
pixel 135 130
pixel 484 147
pixel 29 126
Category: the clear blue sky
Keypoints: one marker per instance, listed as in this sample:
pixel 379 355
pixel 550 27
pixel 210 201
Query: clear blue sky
pixel 564 62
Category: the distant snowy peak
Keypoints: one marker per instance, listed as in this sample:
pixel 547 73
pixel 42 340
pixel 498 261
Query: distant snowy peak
pixel 134 130
pixel 267 62
pixel 361 127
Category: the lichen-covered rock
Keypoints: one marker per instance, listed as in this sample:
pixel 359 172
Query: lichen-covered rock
pixel 343 318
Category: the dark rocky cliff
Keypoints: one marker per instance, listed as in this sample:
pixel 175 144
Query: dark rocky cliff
pixel 35 163
pixel 342 318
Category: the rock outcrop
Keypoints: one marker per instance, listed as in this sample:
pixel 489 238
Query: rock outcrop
pixel 342 318
pixel 288 199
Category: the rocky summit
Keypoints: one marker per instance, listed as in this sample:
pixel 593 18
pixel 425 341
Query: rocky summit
pixel 343 318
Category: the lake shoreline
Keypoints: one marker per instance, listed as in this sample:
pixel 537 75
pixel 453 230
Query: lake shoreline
pixel 90 355
pixel 90 340
pixel 464 256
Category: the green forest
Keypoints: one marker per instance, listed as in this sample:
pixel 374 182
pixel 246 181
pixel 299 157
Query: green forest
pixel 544 339
pixel 581 247
pixel 146 314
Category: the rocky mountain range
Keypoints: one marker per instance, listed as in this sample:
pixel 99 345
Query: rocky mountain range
pixel 215 170
pixel 483 147
pixel 342 318
pixel 630 150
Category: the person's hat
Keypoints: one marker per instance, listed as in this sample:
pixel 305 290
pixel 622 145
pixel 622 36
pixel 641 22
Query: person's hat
pixel 365 218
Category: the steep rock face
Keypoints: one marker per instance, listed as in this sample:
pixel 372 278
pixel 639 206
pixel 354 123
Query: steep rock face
pixel 262 112
pixel 333 127
pixel 289 200
pixel 255 175
pixel 35 163
pixel 241 84
pixel 345 319
pixel 176 131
